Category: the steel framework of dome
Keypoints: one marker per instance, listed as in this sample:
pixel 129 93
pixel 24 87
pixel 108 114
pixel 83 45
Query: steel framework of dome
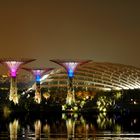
pixel 99 75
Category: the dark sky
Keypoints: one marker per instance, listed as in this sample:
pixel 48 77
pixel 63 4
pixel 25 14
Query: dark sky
pixel 101 30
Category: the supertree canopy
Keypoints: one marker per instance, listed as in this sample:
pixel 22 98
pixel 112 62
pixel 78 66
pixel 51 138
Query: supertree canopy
pixel 14 65
pixel 38 73
pixel 70 66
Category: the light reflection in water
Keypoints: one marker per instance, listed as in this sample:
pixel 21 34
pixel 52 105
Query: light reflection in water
pixel 37 126
pixel 70 123
pixel 103 121
pixel 6 112
pixel 13 127
pixel 76 126
pixel 46 129
pixel 70 126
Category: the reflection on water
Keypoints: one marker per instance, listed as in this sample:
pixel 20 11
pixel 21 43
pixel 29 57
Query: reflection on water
pixel 70 126
pixel 6 111
pixel 103 121
pixel 46 130
pixel 37 126
pixel 13 127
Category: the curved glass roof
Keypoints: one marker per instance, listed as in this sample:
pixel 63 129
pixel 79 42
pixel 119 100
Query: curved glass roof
pixel 98 75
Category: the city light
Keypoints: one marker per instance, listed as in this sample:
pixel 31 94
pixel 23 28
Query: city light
pixel 70 67
pixel 13 65
pixel 38 73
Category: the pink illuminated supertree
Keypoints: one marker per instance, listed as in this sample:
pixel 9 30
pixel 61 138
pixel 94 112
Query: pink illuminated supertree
pixel 38 73
pixel 70 66
pixel 14 65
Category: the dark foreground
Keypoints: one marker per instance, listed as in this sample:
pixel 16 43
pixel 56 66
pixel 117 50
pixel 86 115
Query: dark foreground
pixel 69 126
pixel 106 116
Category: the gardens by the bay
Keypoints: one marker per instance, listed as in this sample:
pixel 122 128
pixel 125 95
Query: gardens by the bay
pixel 105 102
pixel 38 111
pixel 68 99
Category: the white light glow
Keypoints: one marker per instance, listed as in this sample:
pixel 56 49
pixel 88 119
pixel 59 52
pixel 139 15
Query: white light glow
pixel 38 72
pixel 13 66
pixel 44 77
pixel 71 65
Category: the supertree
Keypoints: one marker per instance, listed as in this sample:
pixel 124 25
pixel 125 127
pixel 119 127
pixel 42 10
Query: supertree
pixel 38 73
pixel 14 65
pixel 70 67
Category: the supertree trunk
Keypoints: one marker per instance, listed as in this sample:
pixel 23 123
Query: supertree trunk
pixel 70 95
pixel 38 93
pixel 13 90
pixel 70 67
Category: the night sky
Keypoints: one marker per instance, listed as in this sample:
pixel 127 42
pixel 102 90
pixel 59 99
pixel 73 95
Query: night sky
pixel 102 30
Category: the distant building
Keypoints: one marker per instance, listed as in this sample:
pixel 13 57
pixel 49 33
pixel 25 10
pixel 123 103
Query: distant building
pixel 97 76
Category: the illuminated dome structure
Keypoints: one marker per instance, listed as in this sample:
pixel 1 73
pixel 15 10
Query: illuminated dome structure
pixel 98 75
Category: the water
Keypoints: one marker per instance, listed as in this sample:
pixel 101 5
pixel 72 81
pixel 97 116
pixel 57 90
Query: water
pixel 66 126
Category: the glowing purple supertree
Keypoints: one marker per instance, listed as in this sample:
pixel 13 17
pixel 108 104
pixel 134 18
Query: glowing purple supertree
pixel 14 65
pixel 70 66
pixel 38 73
